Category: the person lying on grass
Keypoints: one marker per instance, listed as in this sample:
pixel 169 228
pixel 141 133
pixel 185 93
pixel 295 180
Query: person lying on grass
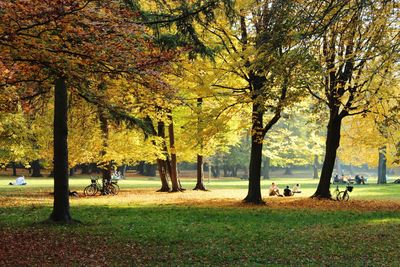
pixel 19 181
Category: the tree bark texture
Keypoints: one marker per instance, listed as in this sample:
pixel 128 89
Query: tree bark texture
pixel 200 174
pixel 176 185
pixel 60 211
pixel 254 190
pixel 163 169
pixel 332 144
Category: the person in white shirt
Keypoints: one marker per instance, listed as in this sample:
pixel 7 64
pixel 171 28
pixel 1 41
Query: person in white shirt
pixel 19 181
pixel 274 190
pixel 296 189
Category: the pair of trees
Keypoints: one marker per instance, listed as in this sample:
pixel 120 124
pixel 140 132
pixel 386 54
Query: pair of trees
pixel 341 52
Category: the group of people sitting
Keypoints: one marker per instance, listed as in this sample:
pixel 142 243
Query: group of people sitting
pixel 349 179
pixel 287 192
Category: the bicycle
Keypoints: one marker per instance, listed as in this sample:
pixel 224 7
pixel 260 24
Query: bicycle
pixel 110 188
pixel 344 195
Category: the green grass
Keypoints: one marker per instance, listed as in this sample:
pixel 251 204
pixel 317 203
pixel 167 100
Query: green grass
pixel 173 234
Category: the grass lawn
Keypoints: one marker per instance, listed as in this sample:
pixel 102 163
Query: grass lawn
pixel 145 228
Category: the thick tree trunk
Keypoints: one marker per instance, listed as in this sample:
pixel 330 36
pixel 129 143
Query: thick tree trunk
pixel 176 185
pixel 200 174
pixel 332 144
pixel 266 167
pixel 36 168
pixel 382 166
pixel 163 169
pixel 315 167
pixel 14 168
pixel 61 188
pixel 254 191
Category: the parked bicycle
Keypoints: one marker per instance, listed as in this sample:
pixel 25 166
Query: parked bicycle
pixel 110 188
pixel 344 195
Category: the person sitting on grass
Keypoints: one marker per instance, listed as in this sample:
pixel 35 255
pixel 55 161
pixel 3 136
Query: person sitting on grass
pixel 363 179
pixel 274 190
pixel 287 192
pixel 296 189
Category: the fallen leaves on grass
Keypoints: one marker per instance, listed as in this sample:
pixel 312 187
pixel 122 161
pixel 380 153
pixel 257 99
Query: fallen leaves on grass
pixel 216 198
pixel 38 247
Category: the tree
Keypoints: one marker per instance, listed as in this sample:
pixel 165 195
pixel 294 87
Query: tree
pixel 356 52
pixel 75 43
pixel 258 47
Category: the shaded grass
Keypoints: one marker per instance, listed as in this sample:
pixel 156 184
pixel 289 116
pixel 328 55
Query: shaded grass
pixel 176 235
pixel 140 227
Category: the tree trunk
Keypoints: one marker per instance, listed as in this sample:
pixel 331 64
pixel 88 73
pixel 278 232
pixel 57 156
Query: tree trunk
pixel 105 166
pixel 163 169
pixel 254 191
pixel 14 168
pixel 85 169
pixel 266 167
pixel 234 170
pixel 176 186
pixel 315 167
pixel 382 166
pixel 60 211
pixel 332 144
pixel 150 170
pixel 215 171
pixel 200 174
pixel 71 171
pixel 225 168
pixel 140 167
pixel 36 168
pixel 288 171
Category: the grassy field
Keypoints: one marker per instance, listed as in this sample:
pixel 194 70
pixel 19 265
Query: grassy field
pixel 140 227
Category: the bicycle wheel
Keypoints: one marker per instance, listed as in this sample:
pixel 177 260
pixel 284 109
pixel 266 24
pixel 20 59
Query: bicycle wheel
pixel 89 190
pixel 116 188
pixel 343 196
pixel 111 189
